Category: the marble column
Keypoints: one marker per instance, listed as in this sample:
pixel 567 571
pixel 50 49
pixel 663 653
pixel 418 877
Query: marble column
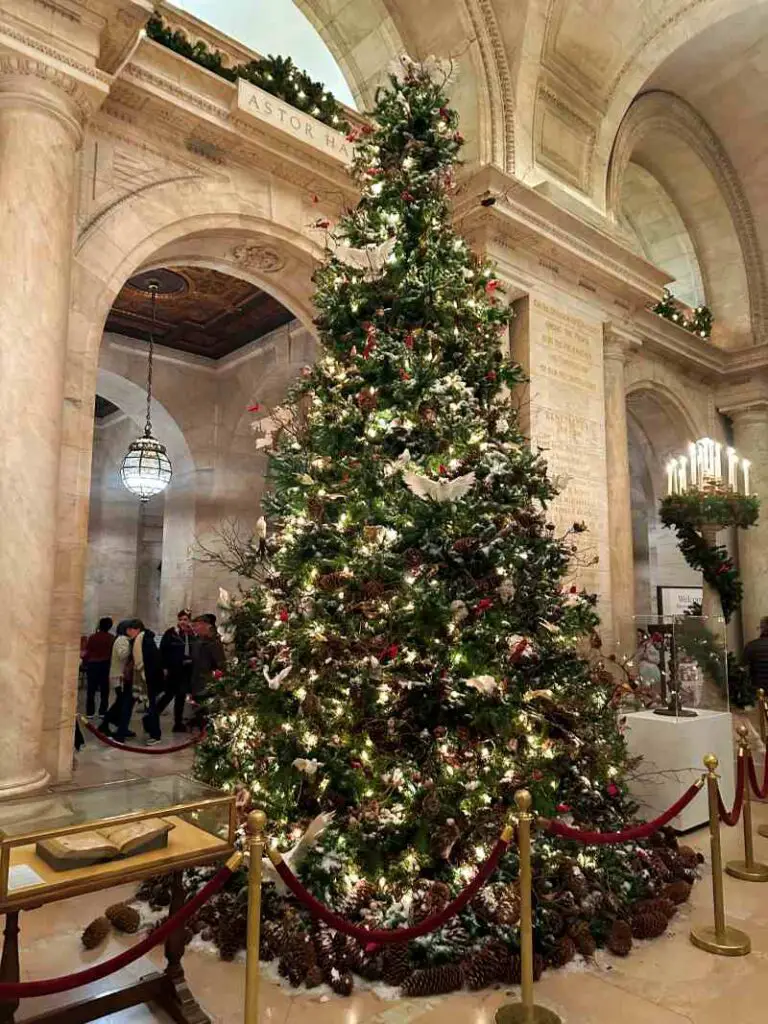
pixel 616 347
pixel 750 438
pixel 40 132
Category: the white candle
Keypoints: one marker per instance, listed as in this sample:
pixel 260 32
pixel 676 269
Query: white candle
pixel 718 463
pixel 671 468
pixel 693 461
pixel 683 481
pixel 702 467
pixel 732 464
pixel 745 464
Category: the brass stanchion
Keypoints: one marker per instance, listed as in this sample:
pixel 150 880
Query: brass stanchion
pixel 525 1012
pixel 719 938
pixel 749 870
pixel 257 822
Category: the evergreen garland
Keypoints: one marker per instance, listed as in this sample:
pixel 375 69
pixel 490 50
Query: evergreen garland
pixel 278 76
pixel 687 513
pixel 700 323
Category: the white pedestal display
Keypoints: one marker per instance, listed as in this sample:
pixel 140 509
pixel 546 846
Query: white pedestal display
pixel 673 750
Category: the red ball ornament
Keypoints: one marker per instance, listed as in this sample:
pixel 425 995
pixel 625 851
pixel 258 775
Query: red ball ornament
pixel 612 789
pixel 284 615
pixel 254 408
pixel 491 286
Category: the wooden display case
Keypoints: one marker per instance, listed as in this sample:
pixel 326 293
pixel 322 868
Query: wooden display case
pixel 202 832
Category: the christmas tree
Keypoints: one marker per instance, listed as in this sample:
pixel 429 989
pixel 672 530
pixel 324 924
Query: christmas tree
pixel 410 657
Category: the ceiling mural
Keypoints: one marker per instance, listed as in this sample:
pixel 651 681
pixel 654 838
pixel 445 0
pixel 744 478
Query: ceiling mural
pixel 199 311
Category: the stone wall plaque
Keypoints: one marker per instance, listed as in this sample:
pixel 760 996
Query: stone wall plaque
pixel 280 117
pixel 562 353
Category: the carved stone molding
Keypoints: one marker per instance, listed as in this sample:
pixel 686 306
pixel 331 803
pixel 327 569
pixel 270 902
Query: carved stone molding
pixel 501 100
pixel 663 111
pixel 258 257
pixel 551 106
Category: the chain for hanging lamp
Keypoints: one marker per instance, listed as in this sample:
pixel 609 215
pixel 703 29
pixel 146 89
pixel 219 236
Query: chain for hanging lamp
pixel 146 469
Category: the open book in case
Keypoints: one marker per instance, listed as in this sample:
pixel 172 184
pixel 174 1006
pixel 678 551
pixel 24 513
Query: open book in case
pixel 58 845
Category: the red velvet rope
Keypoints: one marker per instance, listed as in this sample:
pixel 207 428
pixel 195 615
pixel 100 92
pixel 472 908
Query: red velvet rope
pixel 109 742
pixel 557 828
pixel 10 990
pixel 377 936
pixel 761 792
pixel 732 818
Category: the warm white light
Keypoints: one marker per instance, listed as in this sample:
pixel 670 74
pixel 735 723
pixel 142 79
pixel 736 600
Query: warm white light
pixel 146 469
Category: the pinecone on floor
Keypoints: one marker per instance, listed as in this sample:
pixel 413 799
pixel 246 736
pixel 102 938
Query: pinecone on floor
pixel 485 966
pixel 429 898
pixel 295 961
pixel 314 977
pixel 574 881
pixel 649 925
pixel 679 891
pixel 396 963
pixel 232 935
pixel 367 965
pixel 619 940
pixel 563 951
pixel 660 905
pixel 583 939
pixel 269 940
pixel 123 917
pixel 456 937
pixel 156 892
pixel 332 965
pixel 690 857
pixel 96 932
pixel 433 981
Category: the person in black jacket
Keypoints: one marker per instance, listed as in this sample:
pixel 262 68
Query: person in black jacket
pixel 147 674
pixel 755 657
pixel 207 658
pixel 176 655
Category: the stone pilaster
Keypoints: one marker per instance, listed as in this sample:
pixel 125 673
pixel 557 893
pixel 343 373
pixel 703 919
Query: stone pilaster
pixel 750 436
pixel 616 348
pixel 42 111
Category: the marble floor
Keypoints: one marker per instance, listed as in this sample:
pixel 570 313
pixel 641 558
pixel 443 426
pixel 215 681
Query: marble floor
pixel 667 981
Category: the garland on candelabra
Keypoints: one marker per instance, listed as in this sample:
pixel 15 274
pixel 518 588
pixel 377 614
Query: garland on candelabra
pixel 688 513
pixel 700 323
pixel 278 76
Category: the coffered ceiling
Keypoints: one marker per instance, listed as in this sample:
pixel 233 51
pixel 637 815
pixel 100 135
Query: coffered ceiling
pixel 199 311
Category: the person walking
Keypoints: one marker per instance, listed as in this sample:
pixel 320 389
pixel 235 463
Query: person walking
pixel 147 674
pixel 176 656
pixel 121 678
pixel 96 661
pixel 755 657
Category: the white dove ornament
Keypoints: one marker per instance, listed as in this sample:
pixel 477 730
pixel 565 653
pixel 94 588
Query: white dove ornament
pixel 371 259
pixel 439 490
pixel 296 856
pixel 274 682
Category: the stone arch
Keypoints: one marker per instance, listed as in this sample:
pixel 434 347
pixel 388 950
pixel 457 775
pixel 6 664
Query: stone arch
pixel 662 133
pixel 365 36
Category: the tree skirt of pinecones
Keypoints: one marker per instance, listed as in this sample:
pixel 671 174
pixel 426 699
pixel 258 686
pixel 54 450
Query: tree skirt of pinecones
pixel 476 950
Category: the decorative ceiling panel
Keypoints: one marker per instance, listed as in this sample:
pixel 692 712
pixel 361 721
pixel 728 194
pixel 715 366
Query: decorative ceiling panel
pixel 199 311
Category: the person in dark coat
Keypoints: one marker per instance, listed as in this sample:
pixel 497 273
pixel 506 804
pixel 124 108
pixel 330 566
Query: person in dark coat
pixel 755 657
pixel 147 674
pixel 96 660
pixel 207 658
pixel 176 655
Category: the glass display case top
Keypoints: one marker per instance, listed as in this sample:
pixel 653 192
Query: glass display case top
pixel 51 811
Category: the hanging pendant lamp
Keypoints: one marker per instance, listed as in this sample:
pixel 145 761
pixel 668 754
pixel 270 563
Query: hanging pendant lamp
pixel 146 469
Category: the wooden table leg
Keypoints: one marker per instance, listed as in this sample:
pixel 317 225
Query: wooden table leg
pixel 9 964
pixel 183 1007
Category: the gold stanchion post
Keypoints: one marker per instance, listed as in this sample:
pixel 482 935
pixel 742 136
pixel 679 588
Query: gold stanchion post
pixel 718 938
pixel 525 1012
pixel 749 870
pixel 257 822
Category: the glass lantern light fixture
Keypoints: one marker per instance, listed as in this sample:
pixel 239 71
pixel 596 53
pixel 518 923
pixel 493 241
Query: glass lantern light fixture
pixel 146 469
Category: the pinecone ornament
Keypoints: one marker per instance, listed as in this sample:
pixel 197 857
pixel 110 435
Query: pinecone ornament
pixel 331 963
pixel 649 925
pixel 659 905
pixel 563 952
pixel 358 899
pixel 619 940
pixel 331 581
pixel 456 937
pixel 513 972
pixel 498 903
pixel 486 965
pixel 429 898
pixel 433 981
pixel 123 917
pixel 584 939
pixel 96 932
pixel 296 959
pixel 396 963
pixel 269 940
